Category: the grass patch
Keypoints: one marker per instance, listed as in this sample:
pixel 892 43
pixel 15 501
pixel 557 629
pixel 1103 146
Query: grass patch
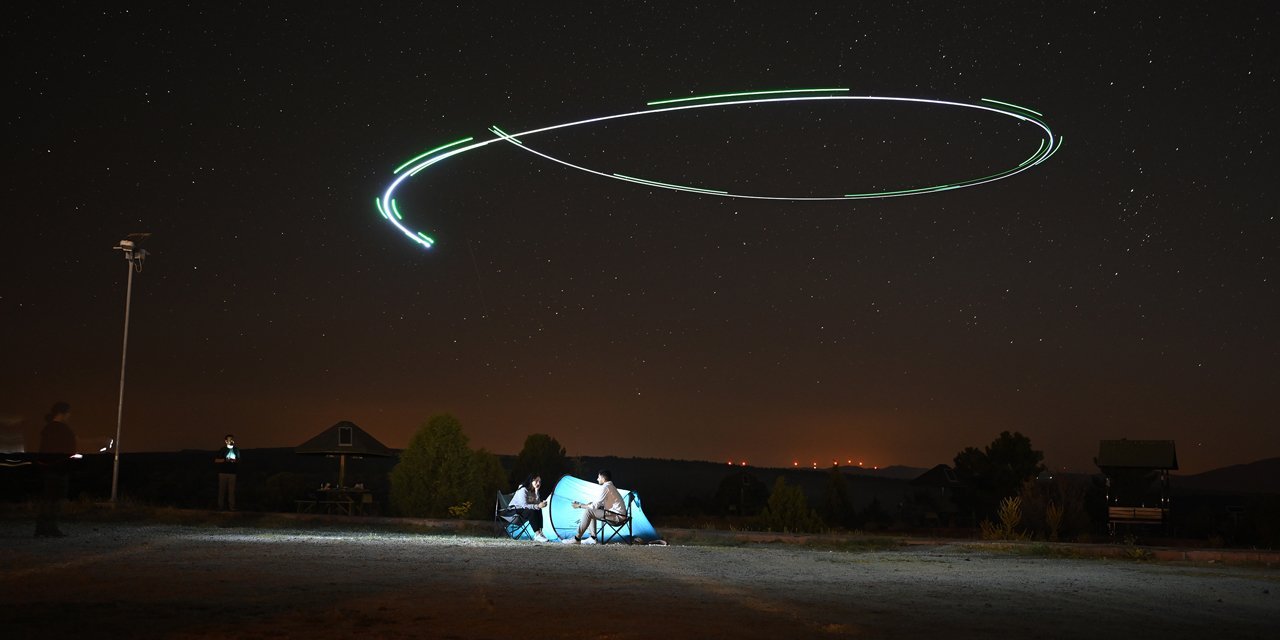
pixel 853 543
pixel 1059 551
pixel 857 544
pixel 1045 550
pixel 135 513
pixel 697 540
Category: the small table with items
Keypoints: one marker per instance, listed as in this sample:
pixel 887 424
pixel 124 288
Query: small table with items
pixel 347 501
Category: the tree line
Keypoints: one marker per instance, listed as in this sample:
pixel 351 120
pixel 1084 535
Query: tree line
pixel 439 475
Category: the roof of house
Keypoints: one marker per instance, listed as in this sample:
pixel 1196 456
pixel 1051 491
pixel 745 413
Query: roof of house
pixel 344 438
pixel 939 476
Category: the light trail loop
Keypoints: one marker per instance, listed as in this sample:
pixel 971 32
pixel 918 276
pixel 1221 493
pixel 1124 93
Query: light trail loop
pixel 1049 145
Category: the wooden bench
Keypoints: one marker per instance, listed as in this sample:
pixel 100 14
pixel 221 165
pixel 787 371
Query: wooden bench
pixel 340 507
pixel 1134 515
pixel 348 504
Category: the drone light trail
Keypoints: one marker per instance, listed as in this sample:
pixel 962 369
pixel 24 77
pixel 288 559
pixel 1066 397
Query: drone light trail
pixel 1049 144
pixel 742 94
pixel 428 153
pixel 1010 104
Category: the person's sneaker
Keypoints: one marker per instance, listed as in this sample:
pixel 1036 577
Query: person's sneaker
pixel 589 540
pixel 571 540
pixel 538 537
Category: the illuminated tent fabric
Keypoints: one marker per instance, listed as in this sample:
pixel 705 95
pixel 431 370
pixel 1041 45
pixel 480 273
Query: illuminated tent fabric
pixel 342 440
pixel 562 518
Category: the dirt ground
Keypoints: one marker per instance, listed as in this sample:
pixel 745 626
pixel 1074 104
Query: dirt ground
pixel 125 580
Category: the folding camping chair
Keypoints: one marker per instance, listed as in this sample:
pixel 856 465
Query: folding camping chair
pixel 613 529
pixel 507 521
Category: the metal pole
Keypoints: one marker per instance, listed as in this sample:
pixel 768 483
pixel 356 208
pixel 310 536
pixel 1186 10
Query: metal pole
pixel 124 351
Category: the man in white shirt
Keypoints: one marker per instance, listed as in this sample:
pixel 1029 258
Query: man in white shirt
pixel 609 507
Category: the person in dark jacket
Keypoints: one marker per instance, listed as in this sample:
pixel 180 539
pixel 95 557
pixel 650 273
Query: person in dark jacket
pixel 57 450
pixel 228 460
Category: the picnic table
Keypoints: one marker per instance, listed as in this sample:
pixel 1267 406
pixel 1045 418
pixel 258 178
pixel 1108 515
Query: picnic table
pixel 347 501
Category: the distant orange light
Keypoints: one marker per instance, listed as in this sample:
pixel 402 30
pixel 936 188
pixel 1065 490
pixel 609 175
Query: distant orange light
pixel 744 463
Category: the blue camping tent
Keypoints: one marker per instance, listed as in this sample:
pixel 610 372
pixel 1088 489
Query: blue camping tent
pixel 562 519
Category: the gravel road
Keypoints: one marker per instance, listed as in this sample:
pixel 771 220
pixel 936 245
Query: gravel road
pixel 142 581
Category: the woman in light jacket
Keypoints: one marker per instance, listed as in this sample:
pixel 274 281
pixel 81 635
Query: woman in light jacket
pixel 530 504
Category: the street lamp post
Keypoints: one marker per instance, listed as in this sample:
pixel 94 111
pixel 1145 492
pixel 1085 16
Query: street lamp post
pixel 134 257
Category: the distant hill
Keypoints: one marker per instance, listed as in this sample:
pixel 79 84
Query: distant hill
pixel 896 472
pixel 684 486
pixel 1262 476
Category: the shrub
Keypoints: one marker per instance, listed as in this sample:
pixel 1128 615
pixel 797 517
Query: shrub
pixel 788 510
pixel 491 478
pixel 460 510
pixel 541 454
pixel 741 494
pixel 437 472
pixel 837 505
pixel 1057 508
pixel 1053 519
pixel 1010 514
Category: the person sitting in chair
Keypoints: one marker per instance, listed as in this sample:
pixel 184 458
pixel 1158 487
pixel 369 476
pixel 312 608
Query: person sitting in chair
pixel 527 501
pixel 609 507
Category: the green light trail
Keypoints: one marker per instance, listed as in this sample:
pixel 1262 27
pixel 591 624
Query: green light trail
pixel 671 186
pixel 421 156
pixel 744 93
pixel 1010 104
pixel 1033 156
pixel 1049 145
pixel 944 187
pixel 880 194
pixel 504 135
pixel 1061 139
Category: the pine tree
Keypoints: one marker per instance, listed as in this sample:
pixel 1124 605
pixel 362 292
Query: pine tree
pixel 438 471
pixel 789 510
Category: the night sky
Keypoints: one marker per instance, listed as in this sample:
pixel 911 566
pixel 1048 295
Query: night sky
pixel 1125 288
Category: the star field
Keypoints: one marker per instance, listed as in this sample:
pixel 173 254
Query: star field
pixel 1124 288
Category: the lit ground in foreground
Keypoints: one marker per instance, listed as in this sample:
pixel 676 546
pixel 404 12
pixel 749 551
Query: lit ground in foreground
pixel 140 581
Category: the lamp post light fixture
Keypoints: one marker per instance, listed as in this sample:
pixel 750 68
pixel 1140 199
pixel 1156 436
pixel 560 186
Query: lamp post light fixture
pixel 134 257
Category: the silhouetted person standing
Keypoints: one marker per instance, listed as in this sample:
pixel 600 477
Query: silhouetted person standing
pixel 228 462
pixel 57 448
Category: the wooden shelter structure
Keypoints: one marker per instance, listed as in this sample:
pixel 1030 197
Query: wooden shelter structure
pixel 933 497
pixel 342 440
pixel 1137 474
